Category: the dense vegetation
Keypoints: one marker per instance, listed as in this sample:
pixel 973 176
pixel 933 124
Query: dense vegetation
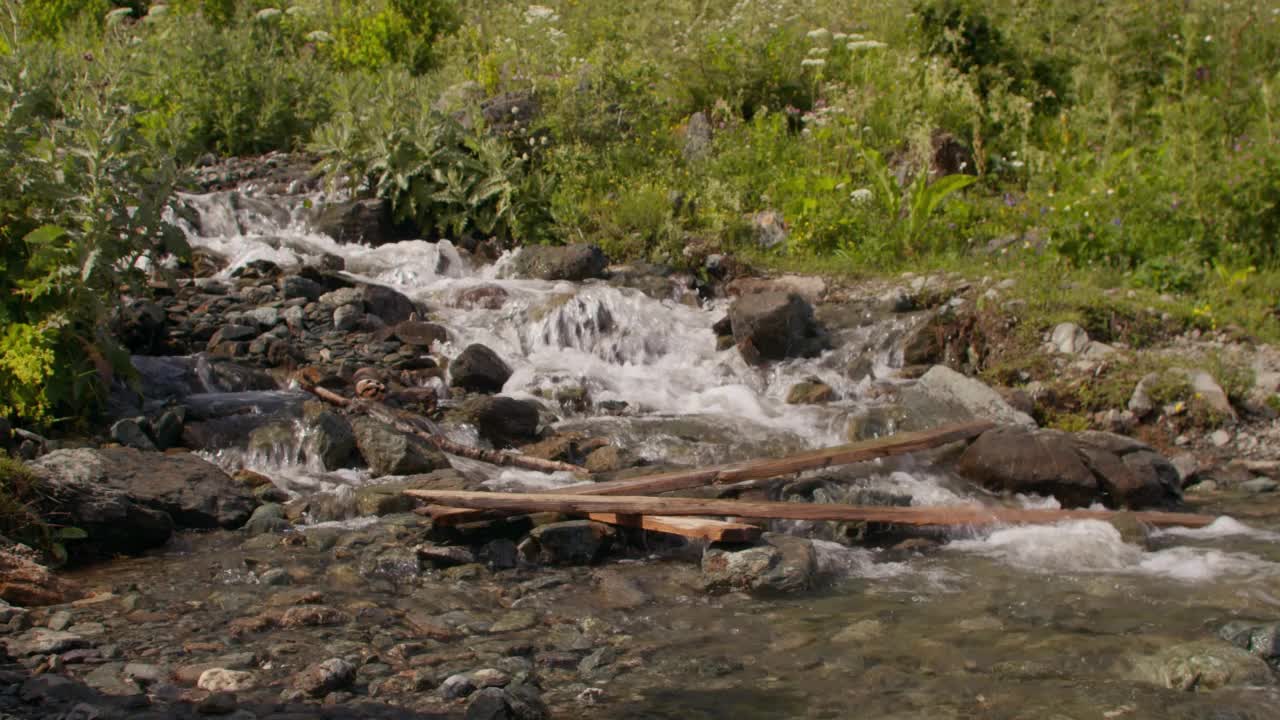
pixel 1131 143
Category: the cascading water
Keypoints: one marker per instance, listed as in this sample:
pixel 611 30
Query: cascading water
pixel 653 362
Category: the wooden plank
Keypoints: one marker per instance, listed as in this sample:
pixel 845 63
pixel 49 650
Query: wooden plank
pixel 899 444
pixel 642 505
pixel 690 527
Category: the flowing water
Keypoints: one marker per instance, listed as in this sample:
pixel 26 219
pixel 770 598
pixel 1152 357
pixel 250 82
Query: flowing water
pixel 1025 622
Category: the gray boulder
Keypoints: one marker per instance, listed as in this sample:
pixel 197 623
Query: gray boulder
pixel 1078 469
pixel 501 420
pixel 781 563
pixel 775 326
pixel 564 262
pixel 944 396
pixel 1261 640
pixel 479 369
pixel 193 492
pixel 388 451
pixel 366 222
pixel 131 432
pixel 419 333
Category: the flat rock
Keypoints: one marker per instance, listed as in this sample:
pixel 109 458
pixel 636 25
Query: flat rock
pixel 943 395
pixel 193 492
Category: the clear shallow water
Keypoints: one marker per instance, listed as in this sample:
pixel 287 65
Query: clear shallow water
pixel 1011 622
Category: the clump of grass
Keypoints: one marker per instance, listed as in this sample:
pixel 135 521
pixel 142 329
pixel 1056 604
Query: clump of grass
pixel 21 492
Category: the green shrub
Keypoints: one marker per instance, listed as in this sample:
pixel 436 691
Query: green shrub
pixel 81 217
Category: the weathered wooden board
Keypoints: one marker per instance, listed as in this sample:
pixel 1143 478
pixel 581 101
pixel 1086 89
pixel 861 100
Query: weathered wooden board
pixel 690 527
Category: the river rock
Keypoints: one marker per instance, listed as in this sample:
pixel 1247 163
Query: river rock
pixel 1201 666
pixel 565 262
pixel 775 326
pixel 101 492
pixel 1206 389
pixel 42 641
pixel 943 395
pixel 267 518
pixel 503 421
pixel 1261 640
pixel 781 563
pixel 224 680
pixel 327 437
pixel 1069 339
pixel 572 542
pixel 810 392
pixel 130 432
pixel 347 318
pixel 419 333
pixel 515 702
pixel 27 583
pixel 295 286
pixel 479 369
pixel 365 221
pixel 324 677
pixel 388 451
pixel 1078 470
pixel 390 306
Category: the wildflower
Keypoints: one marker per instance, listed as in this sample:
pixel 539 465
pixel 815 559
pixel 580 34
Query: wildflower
pixel 864 45
pixel 1208 38
pixel 813 62
pixel 318 37
pixel 821 35
pixel 539 13
pixel 840 37
pixel 267 15
pixel 818 51
pixel 861 196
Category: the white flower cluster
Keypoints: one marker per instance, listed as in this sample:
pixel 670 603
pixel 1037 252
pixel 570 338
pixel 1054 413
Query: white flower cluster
pixel 857 45
pixel 540 13
pixel 861 196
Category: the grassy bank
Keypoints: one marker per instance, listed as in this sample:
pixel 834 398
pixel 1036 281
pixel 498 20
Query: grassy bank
pixel 1129 147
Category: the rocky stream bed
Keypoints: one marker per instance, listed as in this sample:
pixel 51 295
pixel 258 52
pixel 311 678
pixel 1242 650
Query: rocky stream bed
pixel 248 551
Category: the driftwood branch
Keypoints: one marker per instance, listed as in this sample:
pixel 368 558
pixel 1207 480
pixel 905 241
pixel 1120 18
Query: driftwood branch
pixel 900 444
pixel 678 506
pixel 422 427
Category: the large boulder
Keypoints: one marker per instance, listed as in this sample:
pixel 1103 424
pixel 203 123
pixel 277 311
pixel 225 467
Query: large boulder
pixel 479 369
pixel 388 451
pixel 781 563
pixel 1078 470
pixel 564 262
pixel 192 491
pixel 503 421
pixel 775 326
pixel 365 221
pixel 943 396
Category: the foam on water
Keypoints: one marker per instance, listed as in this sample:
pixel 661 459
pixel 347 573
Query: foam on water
pixel 1093 546
pixel 1222 527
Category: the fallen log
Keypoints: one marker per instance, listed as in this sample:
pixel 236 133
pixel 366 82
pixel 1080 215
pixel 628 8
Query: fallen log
pixel 422 427
pixel 900 444
pixel 678 506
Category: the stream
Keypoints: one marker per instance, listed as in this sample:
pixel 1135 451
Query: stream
pixel 1063 621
